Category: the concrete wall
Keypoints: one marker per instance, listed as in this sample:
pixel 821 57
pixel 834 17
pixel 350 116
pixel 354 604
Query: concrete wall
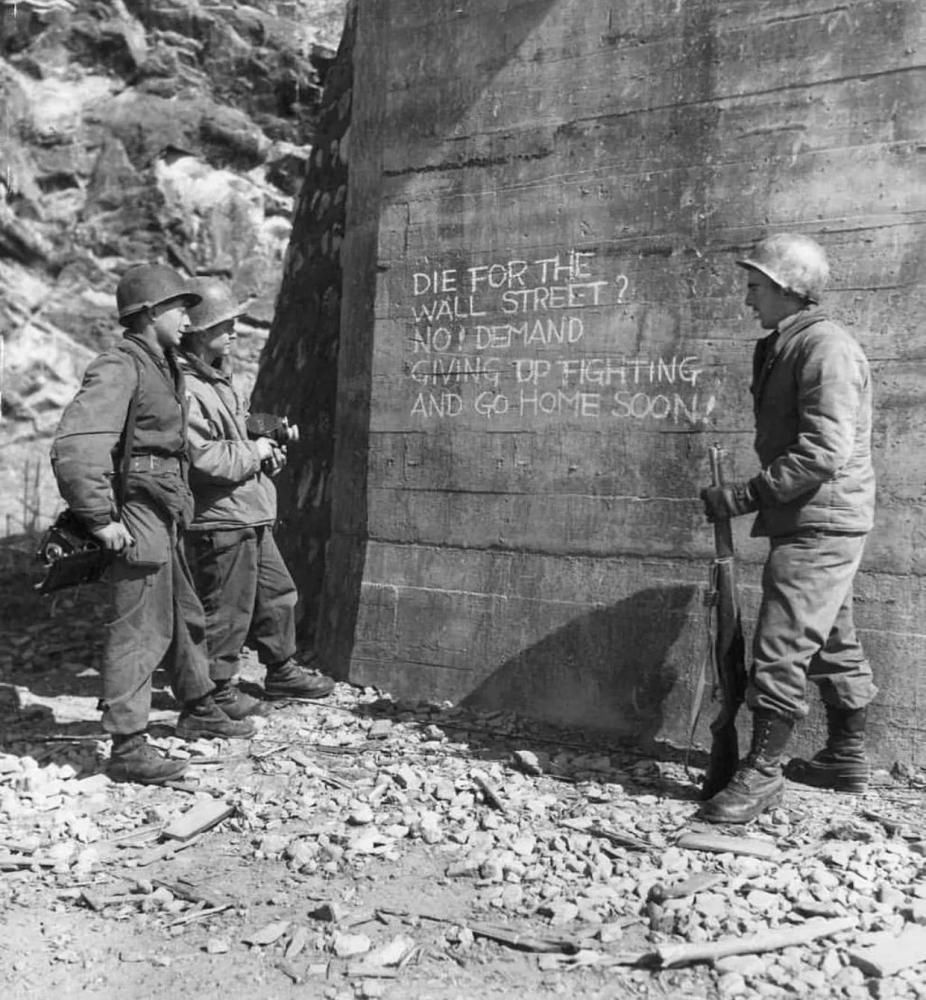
pixel 544 332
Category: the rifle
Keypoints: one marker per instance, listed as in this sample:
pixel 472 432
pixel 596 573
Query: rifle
pixel 727 649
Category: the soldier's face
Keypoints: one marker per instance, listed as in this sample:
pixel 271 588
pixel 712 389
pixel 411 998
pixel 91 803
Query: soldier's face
pixel 220 338
pixel 217 341
pixel 169 320
pixel 769 302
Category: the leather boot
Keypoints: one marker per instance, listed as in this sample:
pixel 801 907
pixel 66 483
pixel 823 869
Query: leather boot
pixel 292 681
pixel 203 719
pixel 132 758
pixel 758 784
pixel 843 763
pixel 234 702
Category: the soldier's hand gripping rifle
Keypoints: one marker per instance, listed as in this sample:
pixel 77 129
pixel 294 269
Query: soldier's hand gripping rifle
pixel 728 649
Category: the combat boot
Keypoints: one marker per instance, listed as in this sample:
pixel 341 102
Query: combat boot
pixel 759 783
pixel 132 758
pixel 203 719
pixel 292 681
pixel 234 702
pixel 842 764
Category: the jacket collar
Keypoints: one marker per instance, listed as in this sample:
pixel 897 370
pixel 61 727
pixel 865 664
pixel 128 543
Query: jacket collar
pixel 166 362
pixel 793 324
pixel 768 348
pixel 206 372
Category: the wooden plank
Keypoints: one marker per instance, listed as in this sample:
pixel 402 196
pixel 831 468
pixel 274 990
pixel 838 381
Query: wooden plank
pixel 673 955
pixel 203 816
pixel 716 843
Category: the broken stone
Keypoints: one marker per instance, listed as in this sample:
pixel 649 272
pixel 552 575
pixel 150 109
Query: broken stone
pixel 444 790
pixel 527 761
pixel 559 912
pixel 710 904
pixel 273 844
pixel 267 934
pixel 512 897
pixel 360 814
pixel 380 730
pixel 743 965
pixel 346 945
pixel 217 946
pixel 391 953
pixel 609 933
pixel 762 901
pixel 406 777
pixel 732 984
pixel 430 827
pixel 524 845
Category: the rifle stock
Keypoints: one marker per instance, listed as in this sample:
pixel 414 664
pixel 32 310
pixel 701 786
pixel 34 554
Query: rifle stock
pixel 729 651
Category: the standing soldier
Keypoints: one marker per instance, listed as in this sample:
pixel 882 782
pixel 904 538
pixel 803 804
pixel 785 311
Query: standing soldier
pixel 815 500
pixel 158 619
pixel 245 587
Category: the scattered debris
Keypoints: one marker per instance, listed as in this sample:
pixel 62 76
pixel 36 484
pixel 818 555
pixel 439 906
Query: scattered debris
pixel 669 955
pixel 592 863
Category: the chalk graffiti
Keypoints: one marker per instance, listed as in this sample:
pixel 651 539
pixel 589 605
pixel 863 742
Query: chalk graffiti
pixel 496 340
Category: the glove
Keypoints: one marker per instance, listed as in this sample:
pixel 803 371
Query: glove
pixel 723 502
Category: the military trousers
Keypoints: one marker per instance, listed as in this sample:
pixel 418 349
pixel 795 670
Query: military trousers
pixel 248 595
pixel 157 621
pixel 805 629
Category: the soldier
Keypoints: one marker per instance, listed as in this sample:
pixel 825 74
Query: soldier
pixel 245 587
pixel 158 619
pixel 815 500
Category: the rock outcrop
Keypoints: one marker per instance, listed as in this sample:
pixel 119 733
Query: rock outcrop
pixel 176 131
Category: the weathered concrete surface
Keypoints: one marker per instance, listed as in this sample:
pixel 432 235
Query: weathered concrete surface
pixel 298 370
pixel 544 331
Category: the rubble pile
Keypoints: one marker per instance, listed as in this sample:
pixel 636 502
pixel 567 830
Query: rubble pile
pixel 580 861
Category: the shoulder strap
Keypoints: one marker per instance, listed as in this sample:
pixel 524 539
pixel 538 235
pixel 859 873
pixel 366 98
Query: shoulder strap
pixel 128 437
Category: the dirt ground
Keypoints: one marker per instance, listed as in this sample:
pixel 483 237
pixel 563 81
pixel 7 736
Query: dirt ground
pixel 428 832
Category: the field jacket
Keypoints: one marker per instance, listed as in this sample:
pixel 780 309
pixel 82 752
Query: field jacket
pixel 87 449
pixel 812 397
pixel 229 488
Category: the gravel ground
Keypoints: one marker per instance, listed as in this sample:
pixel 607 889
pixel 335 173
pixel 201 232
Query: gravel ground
pixel 369 848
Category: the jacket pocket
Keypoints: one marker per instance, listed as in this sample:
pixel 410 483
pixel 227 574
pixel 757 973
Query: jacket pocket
pixel 151 534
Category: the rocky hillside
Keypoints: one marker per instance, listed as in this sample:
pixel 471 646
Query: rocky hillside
pixel 133 130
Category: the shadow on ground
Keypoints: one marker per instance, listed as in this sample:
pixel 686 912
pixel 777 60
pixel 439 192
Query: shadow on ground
pixel 50 651
pixel 594 665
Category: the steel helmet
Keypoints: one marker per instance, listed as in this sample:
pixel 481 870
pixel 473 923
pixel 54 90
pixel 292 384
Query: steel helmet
pixel 795 262
pixel 217 304
pixel 148 285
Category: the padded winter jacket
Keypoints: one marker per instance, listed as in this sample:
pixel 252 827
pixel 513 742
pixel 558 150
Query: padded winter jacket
pixel 229 488
pixel 87 450
pixel 812 398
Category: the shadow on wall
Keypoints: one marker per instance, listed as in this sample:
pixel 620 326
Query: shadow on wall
pixel 609 669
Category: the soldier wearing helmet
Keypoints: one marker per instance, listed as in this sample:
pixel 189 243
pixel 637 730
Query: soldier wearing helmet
pixel 157 617
pixel 814 500
pixel 246 589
